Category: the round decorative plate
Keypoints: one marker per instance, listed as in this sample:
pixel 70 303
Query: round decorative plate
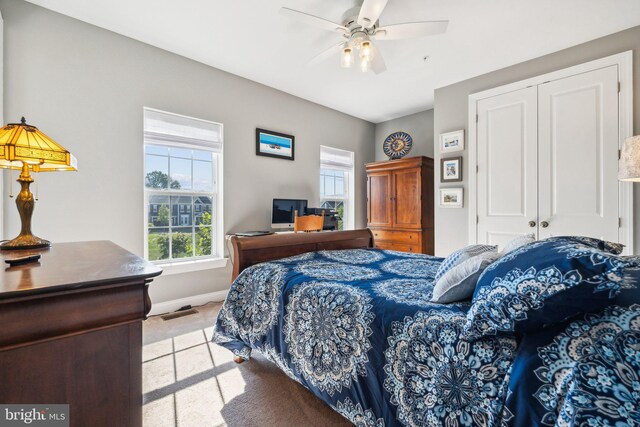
pixel 397 145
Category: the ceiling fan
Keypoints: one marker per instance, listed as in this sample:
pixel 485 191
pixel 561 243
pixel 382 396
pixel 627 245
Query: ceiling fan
pixel 360 28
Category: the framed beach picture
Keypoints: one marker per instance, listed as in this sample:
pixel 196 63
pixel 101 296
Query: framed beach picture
pixel 451 169
pixel 452 141
pixel 275 144
pixel 451 197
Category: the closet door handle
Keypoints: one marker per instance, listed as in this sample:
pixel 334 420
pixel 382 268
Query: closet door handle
pixel 532 224
pixel 544 224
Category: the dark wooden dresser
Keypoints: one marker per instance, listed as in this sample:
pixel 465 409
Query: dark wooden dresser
pixel 71 331
pixel 400 204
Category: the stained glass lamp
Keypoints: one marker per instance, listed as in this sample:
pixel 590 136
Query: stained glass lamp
pixel 23 147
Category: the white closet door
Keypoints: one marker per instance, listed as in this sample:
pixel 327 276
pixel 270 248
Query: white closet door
pixel 507 178
pixel 578 155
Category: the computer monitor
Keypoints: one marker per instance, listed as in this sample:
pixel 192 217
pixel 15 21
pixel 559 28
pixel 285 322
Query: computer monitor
pixel 282 212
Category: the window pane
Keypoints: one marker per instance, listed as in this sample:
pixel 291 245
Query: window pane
pixel 340 209
pixel 202 176
pixel 180 174
pixel 158 212
pixel 180 152
pixel 182 242
pixel 158 241
pixel 203 155
pixel 156 173
pixel 156 149
pixel 203 210
pixel 204 239
pixel 329 188
pixel 181 211
pixel 339 186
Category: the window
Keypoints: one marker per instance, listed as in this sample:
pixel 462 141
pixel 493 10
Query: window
pixel 336 184
pixel 182 175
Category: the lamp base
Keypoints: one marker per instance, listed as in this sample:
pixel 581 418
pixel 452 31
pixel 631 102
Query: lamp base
pixel 25 241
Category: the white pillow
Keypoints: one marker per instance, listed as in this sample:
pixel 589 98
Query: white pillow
pixel 459 283
pixel 516 242
pixel 461 255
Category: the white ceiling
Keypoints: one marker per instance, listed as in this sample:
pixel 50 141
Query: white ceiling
pixel 251 39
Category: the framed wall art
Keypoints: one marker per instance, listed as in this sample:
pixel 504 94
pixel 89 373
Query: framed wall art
pixel 275 144
pixel 452 141
pixel 451 197
pixel 451 169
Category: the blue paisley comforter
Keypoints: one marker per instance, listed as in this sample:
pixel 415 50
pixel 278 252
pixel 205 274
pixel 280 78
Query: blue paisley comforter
pixel 357 328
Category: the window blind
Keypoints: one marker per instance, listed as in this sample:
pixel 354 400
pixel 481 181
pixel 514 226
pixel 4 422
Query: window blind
pixel 335 158
pixel 172 129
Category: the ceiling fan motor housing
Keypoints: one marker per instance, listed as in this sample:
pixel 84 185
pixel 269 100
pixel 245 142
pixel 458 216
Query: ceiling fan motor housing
pixel 357 34
pixel 350 20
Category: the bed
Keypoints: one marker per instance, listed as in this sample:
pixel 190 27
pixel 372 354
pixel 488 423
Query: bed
pixel 355 326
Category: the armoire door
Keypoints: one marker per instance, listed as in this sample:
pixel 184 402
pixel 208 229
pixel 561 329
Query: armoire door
pixel 379 199
pixel 507 174
pixel 578 155
pixel 406 198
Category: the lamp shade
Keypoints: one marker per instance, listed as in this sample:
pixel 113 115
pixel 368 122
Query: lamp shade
pixel 629 166
pixel 21 142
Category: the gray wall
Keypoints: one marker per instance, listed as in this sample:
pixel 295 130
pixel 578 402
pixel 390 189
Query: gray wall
pixel 86 88
pixel 418 125
pixel 451 111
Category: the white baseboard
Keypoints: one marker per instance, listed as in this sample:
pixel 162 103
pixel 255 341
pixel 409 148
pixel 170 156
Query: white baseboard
pixel 194 300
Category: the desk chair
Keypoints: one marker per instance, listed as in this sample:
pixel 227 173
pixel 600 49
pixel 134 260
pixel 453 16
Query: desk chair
pixel 307 223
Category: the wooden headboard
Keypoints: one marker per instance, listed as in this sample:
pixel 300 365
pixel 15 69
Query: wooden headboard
pixel 248 251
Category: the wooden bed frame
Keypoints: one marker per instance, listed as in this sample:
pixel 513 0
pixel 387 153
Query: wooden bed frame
pixel 248 251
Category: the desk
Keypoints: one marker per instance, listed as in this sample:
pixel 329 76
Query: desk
pixel 72 331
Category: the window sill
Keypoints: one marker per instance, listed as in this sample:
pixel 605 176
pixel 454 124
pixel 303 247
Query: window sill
pixel 179 267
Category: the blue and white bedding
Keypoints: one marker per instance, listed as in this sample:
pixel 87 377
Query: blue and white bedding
pixel 357 328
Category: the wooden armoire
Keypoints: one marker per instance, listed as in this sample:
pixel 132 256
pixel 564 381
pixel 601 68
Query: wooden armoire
pixel 400 204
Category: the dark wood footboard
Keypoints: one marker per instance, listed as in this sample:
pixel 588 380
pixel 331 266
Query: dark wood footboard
pixel 248 251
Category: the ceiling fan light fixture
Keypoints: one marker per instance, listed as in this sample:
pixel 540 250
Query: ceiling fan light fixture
pixel 346 59
pixel 366 51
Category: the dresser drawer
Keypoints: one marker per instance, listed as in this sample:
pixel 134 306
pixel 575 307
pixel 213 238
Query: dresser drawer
pixel 407 237
pixel 398 247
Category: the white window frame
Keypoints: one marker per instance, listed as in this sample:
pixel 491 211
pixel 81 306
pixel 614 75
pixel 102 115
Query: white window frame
pixel 216 259
pixel 348 222
pixel 345 199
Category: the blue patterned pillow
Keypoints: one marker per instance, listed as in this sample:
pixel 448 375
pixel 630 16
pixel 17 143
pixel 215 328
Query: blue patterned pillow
pixel 543 283
pixel 462 255
pixel 603 245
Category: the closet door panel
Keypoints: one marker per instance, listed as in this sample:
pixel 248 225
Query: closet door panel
pixel 578 155
pixel 507 166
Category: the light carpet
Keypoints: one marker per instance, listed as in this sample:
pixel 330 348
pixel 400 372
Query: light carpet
pixel 190 382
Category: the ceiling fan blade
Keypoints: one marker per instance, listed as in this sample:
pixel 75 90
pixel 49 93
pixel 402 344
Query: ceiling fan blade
pixel 370 12
pixel 377 63
pixel 411 30
pixel 326 54
pixel 316 21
